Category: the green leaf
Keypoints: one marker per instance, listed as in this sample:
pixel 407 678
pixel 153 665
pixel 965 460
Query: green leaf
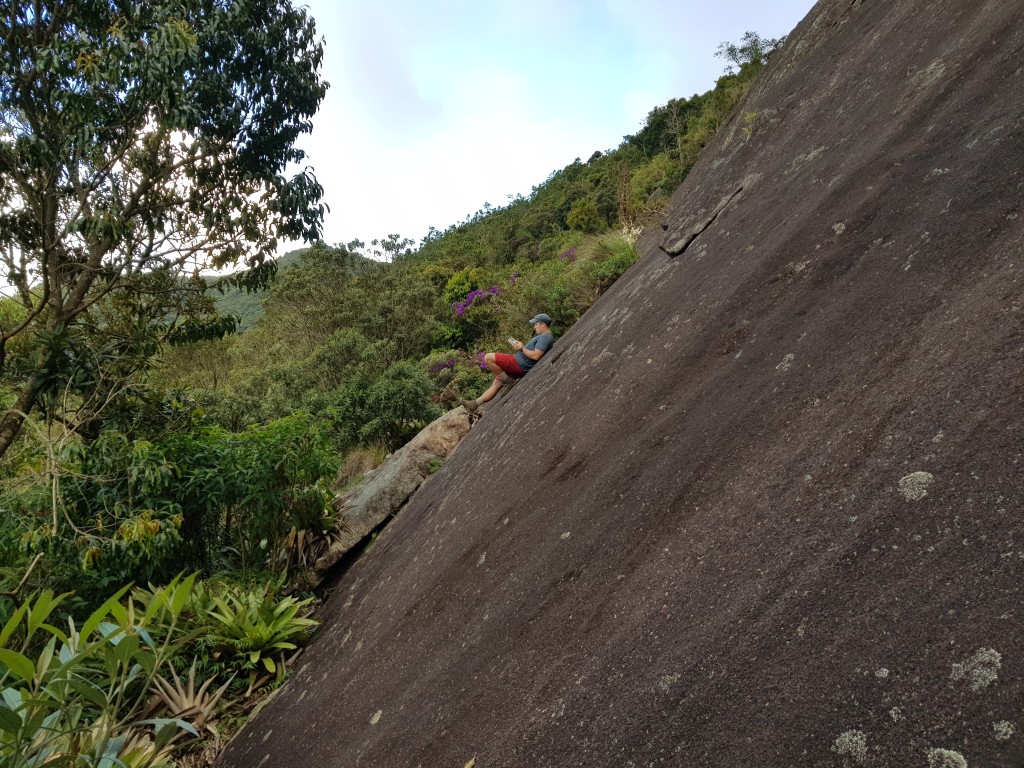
pixel 20 665
pixel 127 645
pixel 54 631
pixel 41 611
pixel 90 693
pixel 181 594
pixel 12 623
pixel 162 722
pixel 43 662
pixel 100 613
pixel 269 664
pixel 12 698
pixel 119 612
pixel 147 661
pixel 9 721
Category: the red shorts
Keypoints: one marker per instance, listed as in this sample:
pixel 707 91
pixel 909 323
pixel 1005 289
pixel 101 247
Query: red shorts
pixel 508 364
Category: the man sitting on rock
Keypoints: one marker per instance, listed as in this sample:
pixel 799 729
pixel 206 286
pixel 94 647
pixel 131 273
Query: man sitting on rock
pixel 508 368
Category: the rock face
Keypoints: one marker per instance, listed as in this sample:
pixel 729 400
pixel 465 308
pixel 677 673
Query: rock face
pixel 384 490
pixel 762 505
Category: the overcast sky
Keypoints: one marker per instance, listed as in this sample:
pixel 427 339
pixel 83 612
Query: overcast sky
pixel 439 106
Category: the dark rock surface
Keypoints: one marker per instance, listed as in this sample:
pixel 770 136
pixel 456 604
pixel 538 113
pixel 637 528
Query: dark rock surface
pixel 762 505
pixel 387 488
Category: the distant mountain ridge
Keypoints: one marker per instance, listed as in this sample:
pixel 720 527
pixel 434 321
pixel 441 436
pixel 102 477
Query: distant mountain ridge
pixel 247 306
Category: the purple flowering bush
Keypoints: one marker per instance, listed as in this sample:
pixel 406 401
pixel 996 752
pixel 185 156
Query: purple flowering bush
pixel 444 365
pixel 478 296
pixel 456 374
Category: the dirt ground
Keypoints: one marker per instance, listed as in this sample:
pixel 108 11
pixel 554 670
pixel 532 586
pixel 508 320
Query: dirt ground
pixel 762 505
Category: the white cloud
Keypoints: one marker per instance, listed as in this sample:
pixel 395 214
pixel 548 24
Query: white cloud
pixel 438 106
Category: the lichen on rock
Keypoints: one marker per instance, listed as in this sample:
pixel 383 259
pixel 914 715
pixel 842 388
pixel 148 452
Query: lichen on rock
pixel 852 744
pixel 981 670
pixel 946 758
pixel 914 486
pixel 1004 730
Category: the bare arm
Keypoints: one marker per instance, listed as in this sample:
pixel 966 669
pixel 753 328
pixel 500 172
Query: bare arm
pixel 533 354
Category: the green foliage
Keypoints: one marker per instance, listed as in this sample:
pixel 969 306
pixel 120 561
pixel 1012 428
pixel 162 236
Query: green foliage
pixel 389 409
pixel 652 182
pixel 74 697
pixel 140 509
pixel 752 51
pixel 84 695
pixel 154 163
pixel 257 628
pixel 584 216
pixel 612 256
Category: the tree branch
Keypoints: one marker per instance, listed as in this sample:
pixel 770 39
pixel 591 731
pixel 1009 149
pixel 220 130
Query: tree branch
pixel 14 592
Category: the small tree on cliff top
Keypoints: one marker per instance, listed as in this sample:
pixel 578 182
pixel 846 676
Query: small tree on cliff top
pixel 139 138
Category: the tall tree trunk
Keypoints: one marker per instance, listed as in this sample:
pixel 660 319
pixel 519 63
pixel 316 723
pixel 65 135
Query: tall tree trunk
pixel 12 420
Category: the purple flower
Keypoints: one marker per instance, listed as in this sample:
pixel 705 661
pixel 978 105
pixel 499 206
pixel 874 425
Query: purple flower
pixel 478 294
pixel 443 365
pixel 569 254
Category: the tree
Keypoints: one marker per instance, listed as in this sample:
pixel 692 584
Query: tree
pixel 752 51
pixel 144 139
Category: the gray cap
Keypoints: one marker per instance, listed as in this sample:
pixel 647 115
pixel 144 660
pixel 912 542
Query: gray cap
pixel 541 318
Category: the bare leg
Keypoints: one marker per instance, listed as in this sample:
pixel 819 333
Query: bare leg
pixel 490 393
pixel 494 368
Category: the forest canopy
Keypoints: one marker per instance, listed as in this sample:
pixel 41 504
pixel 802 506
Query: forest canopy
pixel 140 143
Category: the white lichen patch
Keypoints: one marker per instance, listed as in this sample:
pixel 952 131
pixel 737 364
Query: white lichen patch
pixel 981 670
pixel 882 673
pixel 787 363
pixel 839 228
pixel 804 159
pixel 482 560
pixel 933 73
pixel 376 717
pixel 852 744
pixel 914 486
pixel 896 714
pixel 565 536
pixel 1003 730
pixel 946 758
pixel 667 681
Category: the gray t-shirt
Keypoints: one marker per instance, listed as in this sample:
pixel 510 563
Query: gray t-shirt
pixel 541 341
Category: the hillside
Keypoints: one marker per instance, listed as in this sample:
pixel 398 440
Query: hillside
pixel 246 305
pixel 761 505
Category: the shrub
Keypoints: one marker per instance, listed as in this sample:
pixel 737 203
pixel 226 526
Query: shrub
pixel 79 698
pixel 136 510
pixel 584 217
